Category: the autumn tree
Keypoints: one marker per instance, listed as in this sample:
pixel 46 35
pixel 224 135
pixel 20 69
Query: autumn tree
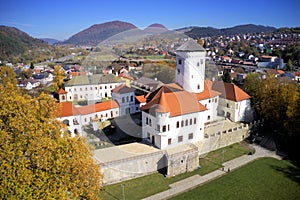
pixel 226 77
pixel 59 76
pixel 252 85
pixel 38 160
pixel 7 75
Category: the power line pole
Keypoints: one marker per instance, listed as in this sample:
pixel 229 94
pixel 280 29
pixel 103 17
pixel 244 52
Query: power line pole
pixel 123 190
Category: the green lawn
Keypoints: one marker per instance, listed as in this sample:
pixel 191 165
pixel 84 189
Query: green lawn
pixel 266 178
pixel 135 189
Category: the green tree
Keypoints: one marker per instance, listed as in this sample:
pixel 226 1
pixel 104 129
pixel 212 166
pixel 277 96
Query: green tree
pixel 7 75
pixel 252 85
pixel 59 76
pixel 31 66
pixel 38 161
pixel 226 78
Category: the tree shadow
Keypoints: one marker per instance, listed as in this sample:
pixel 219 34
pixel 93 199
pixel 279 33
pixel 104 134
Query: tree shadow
pixel 292 172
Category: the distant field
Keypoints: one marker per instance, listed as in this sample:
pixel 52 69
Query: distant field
pixel 266 178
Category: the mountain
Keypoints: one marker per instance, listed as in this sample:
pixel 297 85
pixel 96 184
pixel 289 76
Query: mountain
pixel 14 42
pixel 98 33
pixel 197 32
pixel 156 28
pixel 50 40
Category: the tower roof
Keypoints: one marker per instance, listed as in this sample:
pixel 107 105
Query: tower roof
pixel 190 45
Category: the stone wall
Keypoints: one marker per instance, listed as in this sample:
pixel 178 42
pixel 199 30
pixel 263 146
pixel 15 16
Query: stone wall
pixel 125 169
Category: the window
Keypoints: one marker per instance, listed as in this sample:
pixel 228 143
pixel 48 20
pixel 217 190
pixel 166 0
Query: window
pixel 179 61
pixel 148 136
pixel 168 127
pixel 69 90
pixel 191 121
pixel 209 101
pixel 106 115
pixel 127 99
pixel 105 87
pixel 198 64
pixel 131 98
pixel 169 141
pixel 205 105
pixel 110 86
pixel 201 61
pixel 195 120
pixel 91 88
pixel 227 105
pixel 198 86
pixel 164 128
pixel 208 117
pixel 100 87
pixel 95 88
pixel 158 128
pixel 216 100
pixel 75 89
pixel 90 119
pixel 191 135
pixel 63 97
pixel 80 96
pixel 186 122
pixel 178 71
pixel 123 100
pixel 182 123
pixel 180 138
pixel 147 120
pixel 80 89
pixel 177 124
pixel 150 122
pixel 86 89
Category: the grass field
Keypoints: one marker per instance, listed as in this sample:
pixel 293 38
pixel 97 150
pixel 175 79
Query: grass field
pixel 135 189
pixel 266 178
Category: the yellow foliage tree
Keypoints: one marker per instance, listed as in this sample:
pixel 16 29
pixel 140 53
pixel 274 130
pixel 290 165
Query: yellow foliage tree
pixel 59 76
pixel 37 162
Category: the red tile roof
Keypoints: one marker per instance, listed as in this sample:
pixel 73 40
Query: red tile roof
pixel 230 91
pixel 122 89
pixel 173 99
pixel 297 73
pixel 208 92
pixel 61 91
pixel 67 108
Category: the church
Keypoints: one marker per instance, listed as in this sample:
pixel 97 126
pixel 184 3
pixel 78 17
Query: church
pixel 177 113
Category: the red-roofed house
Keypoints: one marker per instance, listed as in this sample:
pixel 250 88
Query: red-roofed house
pixel 234 103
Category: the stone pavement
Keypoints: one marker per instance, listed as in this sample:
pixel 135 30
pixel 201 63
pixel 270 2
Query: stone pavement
pixel 196 180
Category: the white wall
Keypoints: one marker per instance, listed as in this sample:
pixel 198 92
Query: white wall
pixel 172 131
pixel 126 101
pixel 212 105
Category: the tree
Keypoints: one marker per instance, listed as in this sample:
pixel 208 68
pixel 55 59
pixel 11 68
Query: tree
pixel 226 78
pixel 59 76
pixel 31 66
pixel 289 65
pixel 201 42
pixel 37 162
pixel 252 84
pixel 7 75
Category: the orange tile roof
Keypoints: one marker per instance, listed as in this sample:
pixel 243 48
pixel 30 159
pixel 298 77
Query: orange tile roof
pixel 173 99
pixel 61 91
pixel 141 99
pixel 208 92
pixel 67 108
pixel 230 91
pixel 107 105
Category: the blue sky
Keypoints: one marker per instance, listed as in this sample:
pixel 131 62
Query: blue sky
pixel 60 19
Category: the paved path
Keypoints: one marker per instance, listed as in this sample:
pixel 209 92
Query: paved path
pixel 196 180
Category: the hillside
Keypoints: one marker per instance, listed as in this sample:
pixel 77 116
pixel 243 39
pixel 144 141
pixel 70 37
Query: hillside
pixel 156 28
pixel 197 32
pixel 98 33
pixel 49 40
pixel 14 42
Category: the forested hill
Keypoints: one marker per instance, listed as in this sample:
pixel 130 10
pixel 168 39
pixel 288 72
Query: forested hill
pixel 198 32
pixel 14 42
pixel 99 32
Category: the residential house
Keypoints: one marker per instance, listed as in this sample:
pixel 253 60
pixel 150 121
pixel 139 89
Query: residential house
pixel 297 76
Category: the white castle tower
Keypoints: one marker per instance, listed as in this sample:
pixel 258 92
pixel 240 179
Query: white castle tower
pixel 190 66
